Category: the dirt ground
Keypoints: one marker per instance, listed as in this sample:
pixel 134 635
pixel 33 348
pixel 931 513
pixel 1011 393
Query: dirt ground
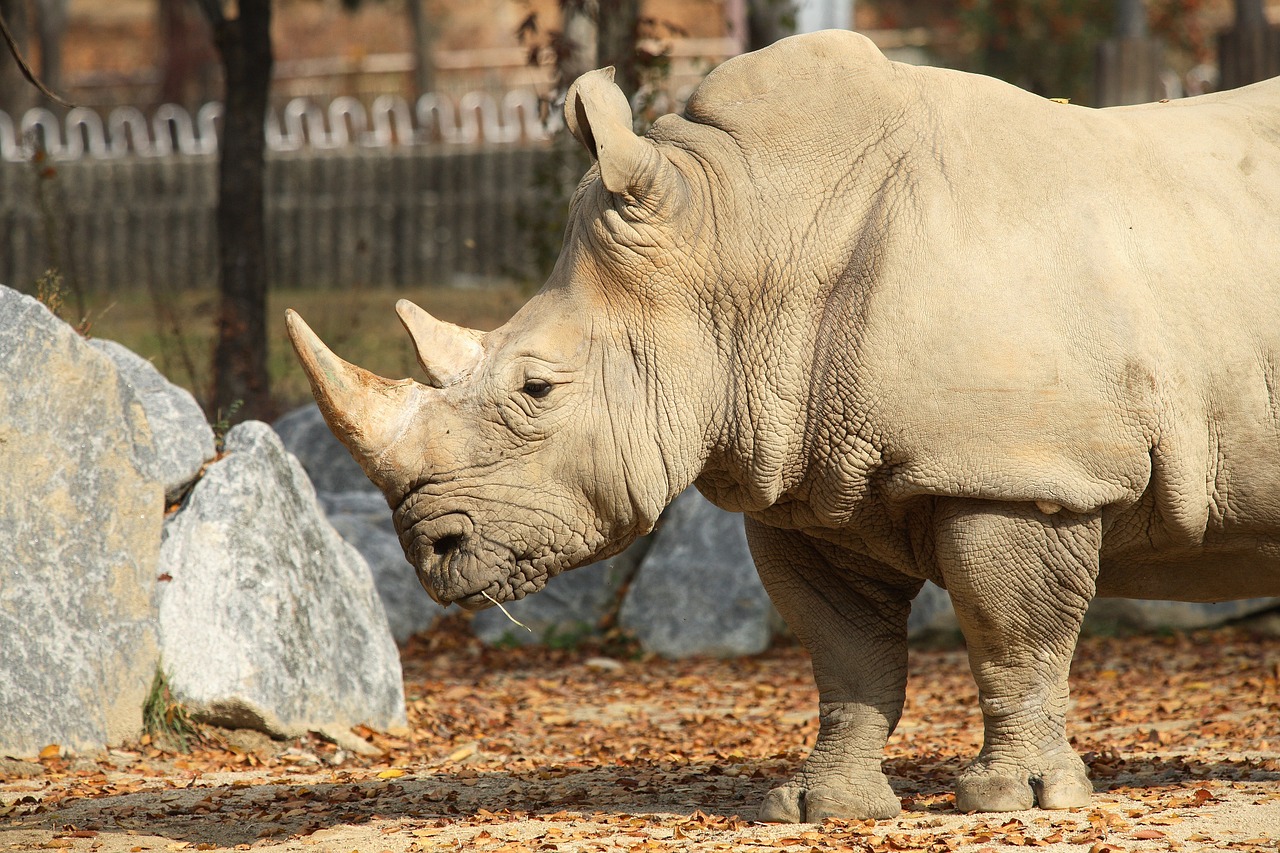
pixel 592 749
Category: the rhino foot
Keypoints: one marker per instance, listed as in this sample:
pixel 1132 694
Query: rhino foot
pixel 799 802
pixel 1061 784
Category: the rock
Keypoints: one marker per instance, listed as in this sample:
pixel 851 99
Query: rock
pixel 1108 615
pixel 360 513
pixel 80 520
pixel 370 505
pixel 362 518
pixel 932 616
pixel 183 438
pixel 270 620
pixel 696 591
pixel 16 768
pixel 570 608
pixel 327 462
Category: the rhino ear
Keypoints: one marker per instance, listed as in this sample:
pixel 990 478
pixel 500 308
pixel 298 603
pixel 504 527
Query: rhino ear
pixel 598 115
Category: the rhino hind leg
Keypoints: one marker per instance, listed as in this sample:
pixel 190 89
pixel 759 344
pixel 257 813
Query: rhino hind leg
pixel 856 632
pixel 1020 581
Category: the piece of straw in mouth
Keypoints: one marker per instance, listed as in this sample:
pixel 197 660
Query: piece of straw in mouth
pixel 505 612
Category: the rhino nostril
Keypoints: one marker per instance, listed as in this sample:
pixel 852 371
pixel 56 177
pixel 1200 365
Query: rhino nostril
pixel 445 544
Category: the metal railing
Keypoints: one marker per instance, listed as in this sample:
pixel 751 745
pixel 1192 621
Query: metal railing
pixel 474 118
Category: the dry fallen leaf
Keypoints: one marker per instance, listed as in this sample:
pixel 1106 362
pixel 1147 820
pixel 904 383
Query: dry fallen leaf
pixel 662 755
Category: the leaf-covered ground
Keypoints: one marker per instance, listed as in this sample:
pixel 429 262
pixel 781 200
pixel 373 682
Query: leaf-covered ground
pixel 576 750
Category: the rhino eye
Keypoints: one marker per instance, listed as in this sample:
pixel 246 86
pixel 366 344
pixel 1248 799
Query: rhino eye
pixel 537 388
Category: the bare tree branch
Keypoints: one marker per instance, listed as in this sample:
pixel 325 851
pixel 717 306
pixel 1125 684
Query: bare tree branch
pixel 212 10
pixel 22 64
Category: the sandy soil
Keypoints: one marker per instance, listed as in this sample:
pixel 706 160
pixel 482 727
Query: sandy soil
pixel 582 751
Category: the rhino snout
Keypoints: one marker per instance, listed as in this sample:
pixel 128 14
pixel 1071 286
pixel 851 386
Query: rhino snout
pixel 435 546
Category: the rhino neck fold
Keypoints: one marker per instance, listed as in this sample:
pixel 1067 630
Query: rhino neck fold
pixel 795 336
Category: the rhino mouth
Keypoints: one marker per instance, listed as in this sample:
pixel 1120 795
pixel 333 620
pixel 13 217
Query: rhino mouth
pixel 456 564
pixel 475 601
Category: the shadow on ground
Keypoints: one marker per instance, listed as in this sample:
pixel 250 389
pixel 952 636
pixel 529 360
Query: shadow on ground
pixel 241 812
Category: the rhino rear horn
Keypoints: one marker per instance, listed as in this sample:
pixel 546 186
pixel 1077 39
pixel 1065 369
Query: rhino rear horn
pixel 446 353
pixel 598 115
pixel 366 412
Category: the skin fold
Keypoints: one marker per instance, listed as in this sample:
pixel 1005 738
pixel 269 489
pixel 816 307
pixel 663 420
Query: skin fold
pixel 916 325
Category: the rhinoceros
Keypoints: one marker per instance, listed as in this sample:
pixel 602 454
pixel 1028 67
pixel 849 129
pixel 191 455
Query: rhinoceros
pixel 914 324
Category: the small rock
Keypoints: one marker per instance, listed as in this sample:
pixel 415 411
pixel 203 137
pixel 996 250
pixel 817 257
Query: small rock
pixel 603 664
pixel 1107 615
pixel 248 740
pixel 16 768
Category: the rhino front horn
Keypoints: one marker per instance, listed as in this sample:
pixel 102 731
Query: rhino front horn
pixel 447 353
pixel 365 411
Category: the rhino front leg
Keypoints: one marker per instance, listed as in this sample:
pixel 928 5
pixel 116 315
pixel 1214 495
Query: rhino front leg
pixel 855 629
pixel 1020 581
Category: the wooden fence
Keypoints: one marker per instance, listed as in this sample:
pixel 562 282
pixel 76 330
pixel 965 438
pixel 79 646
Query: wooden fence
pixel 401 216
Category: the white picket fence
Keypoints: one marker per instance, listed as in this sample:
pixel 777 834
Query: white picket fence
pixel 474 118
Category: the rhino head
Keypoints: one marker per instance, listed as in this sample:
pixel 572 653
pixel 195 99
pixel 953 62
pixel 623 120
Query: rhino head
pixel 558 438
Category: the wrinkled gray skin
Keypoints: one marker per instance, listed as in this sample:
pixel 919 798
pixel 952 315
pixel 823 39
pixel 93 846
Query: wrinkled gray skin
pixel 915 324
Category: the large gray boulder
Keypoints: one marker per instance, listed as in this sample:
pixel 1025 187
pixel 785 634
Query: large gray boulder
pixel 931 614
pixel 182 436
pixel 696 591
pixel 571 607
pixel 1107 615
pixel 360 514
pixel 328 464
pixel 270 620
pixel 362 518
pixel 80 520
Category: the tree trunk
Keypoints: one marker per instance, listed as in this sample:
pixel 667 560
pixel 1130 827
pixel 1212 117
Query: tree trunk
pixel 768 21
pixel 16 94
pixel 240 357
pixel 424 67
pixel 186 55
pixel 616 41
pixel 51 24
pixel 1250 51
pixel 1250 15
pixel 576 55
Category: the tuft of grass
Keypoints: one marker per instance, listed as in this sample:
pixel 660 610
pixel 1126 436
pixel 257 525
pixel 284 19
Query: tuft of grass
pixel 222 424
pixel 49 291
pixel 570 637
pixel 165 719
